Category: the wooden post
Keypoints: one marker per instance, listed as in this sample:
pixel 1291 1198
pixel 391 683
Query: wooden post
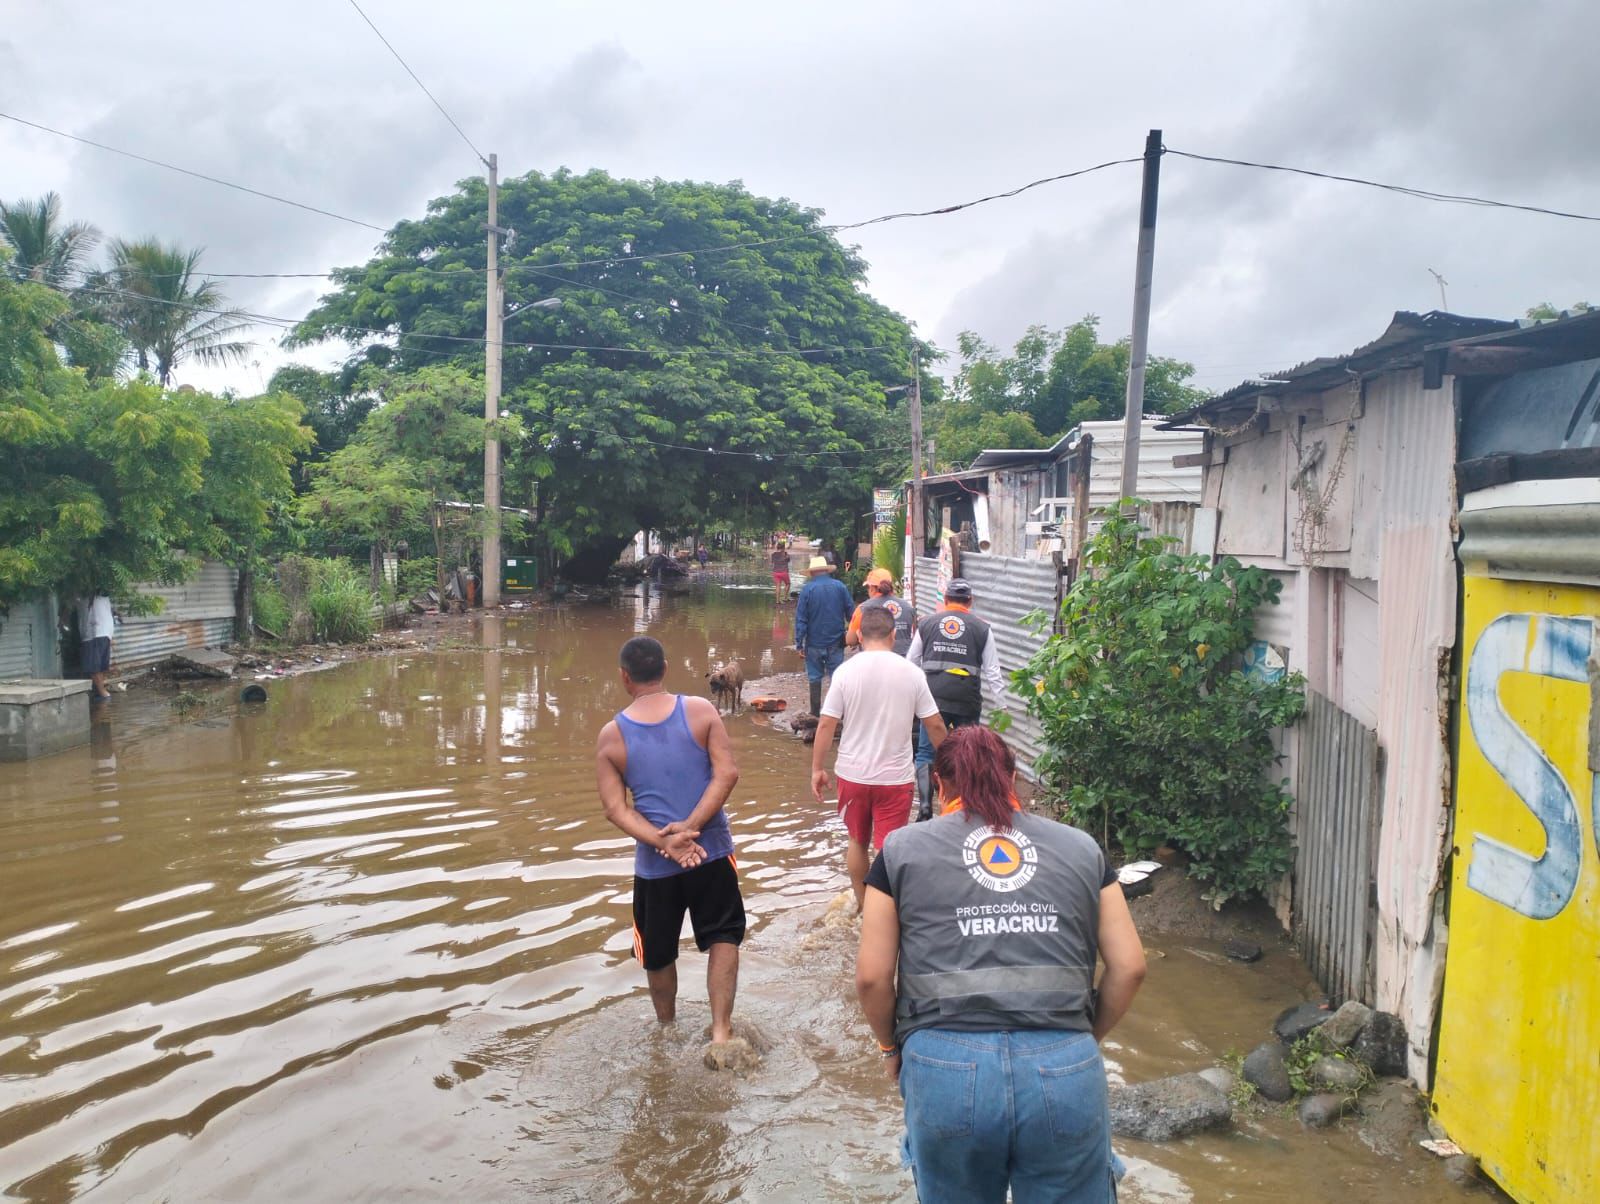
pixel 1143 269
pixel 1084 458
pixel 916 508
pixel 492 348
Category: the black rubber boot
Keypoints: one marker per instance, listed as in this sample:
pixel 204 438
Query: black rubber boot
pixel 924 792
pixel 816 698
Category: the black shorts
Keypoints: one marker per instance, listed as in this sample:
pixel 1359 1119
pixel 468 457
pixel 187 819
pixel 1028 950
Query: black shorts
pixel 95 655
pixel 710 894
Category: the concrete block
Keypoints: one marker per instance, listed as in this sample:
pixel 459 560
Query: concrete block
pixel 42 716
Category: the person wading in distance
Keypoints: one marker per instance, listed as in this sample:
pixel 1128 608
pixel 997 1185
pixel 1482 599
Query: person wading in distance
pixel 671 754
pixel 978 947
pixel 877 696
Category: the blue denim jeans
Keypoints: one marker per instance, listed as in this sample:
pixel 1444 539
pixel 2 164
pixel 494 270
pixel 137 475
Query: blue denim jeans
pixel 821 662
pixel 1024 1109
pixel 923 754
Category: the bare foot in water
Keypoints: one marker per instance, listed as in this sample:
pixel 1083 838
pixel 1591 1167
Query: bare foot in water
pixel 735 1054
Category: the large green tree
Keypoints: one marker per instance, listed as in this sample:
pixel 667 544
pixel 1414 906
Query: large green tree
pixel 166 308
pixel 107 484
pixel 414 461
pixel 715 352
pixel 1048 383
pixel 336 403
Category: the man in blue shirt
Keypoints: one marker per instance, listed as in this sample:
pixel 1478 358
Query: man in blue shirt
pixel 820 617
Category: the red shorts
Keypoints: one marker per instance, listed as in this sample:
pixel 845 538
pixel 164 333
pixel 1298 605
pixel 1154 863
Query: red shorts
pixel 870 813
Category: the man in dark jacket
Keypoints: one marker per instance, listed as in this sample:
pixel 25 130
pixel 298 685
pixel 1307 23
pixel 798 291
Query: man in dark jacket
pixel 957 651
pixel 821 615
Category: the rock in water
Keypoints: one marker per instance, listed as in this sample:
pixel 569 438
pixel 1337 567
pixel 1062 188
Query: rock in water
pixel 1265 1071
pixel 1242 951
pixel 1220 1077
pixel 1320 1111
pixel 1335 1074
pixel 1346 1024
pixel 1294 1023
pixel 735 1054
pixel 1167 1108
pixel 1382 1045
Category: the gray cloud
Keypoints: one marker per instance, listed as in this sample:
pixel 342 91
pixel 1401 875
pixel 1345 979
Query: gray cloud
pixel 865 109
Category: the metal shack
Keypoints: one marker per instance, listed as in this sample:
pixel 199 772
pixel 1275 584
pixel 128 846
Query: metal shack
pixel 1022 501
pixel 1338 478
pixel 1518 1073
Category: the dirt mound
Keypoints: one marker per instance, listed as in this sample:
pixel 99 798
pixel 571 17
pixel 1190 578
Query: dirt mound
pixel 1175 908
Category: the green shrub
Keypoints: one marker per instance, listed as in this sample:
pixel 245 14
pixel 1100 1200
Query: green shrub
pixel 271 607
pixel 1153 733
pixel 340 602
pixel 417 577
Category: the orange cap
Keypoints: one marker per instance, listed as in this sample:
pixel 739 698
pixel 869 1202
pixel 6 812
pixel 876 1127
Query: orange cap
pixel 879 577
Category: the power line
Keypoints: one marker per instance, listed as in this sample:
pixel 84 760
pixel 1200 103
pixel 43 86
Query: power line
pixel 984 200
pixel 199 175
pixel 94 289
pixel 420 84
pixel 1422 194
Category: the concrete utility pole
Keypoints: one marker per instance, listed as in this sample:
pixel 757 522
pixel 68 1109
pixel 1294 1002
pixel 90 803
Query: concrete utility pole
pixel 916 508
pixel 1143 268
pixel 493 333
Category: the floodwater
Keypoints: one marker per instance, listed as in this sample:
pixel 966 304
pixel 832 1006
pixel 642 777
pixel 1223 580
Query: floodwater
pixel 369 941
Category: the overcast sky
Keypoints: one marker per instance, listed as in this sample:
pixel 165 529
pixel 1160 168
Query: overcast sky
pixel 859 109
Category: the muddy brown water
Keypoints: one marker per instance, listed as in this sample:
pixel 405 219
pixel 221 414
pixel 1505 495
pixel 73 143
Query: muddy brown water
pixel 369 941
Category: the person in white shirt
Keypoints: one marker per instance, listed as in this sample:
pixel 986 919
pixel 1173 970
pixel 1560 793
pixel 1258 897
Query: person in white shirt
pixel 876 695
pixel 96 626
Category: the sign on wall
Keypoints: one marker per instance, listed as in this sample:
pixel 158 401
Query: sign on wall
pixel 1518 1080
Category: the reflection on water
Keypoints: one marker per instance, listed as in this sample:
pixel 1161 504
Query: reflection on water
pixel 370 941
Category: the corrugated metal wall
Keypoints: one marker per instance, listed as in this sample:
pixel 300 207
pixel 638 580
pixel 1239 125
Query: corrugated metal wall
pixel 197 614
pixel 28 646
pixel 1337 808
pixel 925 584
pixel 1004 589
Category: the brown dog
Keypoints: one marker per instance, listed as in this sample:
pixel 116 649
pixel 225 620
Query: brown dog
pixel 727 685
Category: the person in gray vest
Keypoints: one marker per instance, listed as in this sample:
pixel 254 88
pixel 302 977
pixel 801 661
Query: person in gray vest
pixel 880 594
pixel 955 649
pixel 992 919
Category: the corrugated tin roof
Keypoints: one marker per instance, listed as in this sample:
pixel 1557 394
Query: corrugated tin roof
pixel 1407 334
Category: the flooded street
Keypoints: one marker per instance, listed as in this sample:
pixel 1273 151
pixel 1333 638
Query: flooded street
pixel 370 941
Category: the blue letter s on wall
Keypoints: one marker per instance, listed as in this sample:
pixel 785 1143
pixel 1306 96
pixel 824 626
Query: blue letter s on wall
pixel 1537 887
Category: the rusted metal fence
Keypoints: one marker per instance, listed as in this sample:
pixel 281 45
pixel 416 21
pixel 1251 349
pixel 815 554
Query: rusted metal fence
pixel 1337 807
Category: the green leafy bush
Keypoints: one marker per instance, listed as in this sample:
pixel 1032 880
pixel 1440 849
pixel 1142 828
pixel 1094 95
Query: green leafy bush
pixel 1153 733
pixel 271 607
pixel 340 602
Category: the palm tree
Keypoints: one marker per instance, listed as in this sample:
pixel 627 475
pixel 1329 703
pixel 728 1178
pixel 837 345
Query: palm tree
pixel 42 249
pixel 166 309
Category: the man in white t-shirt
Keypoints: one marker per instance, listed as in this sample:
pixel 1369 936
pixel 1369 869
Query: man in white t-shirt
pixel 876 695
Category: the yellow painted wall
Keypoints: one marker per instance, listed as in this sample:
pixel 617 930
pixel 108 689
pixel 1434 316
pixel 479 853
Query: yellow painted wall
pixel 1518 1078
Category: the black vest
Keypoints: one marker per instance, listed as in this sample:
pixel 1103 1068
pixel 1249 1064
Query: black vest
pixel 905 619
pixel 952 653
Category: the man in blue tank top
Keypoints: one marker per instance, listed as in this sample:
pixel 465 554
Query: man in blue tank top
pixel 665 769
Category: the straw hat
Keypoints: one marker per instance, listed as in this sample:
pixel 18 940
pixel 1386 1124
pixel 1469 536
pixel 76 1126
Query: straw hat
pixel 819 565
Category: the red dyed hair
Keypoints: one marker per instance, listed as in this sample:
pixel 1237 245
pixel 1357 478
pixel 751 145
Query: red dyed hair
pixel 975 764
